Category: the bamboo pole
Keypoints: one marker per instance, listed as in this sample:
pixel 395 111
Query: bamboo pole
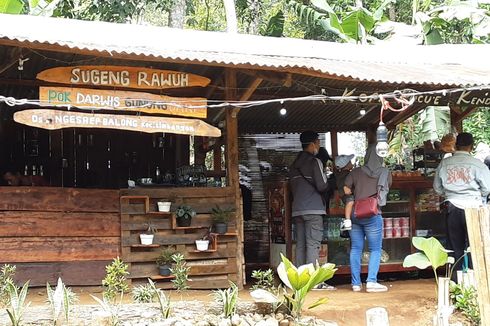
pixel 478 223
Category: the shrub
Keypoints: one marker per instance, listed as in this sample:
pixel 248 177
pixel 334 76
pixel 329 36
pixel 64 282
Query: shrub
pixel 115 280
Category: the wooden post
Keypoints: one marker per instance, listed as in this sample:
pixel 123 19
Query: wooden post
pixel 478 224
pixel 456 122
pixel 334 143
pixel 232 167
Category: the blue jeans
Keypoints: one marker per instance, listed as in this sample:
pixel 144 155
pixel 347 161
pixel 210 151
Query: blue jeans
pixel 371 229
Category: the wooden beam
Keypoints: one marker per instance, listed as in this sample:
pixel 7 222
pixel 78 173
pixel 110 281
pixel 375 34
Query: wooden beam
pixel 10 60
pixel 282 78
pixel 402 116
pixel 232 166
pixel 456 122
pixel 251 89
pixel 334 143
pixel 460 114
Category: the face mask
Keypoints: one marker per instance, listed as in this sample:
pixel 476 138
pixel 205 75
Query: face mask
pixel 315 151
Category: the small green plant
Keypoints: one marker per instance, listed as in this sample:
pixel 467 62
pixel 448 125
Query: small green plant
pixel 165 257
pixel 60 299
pixel 17 302
pixel 143 294
pixel 264 280
pixel 219 215
pixel 301 281
pixel 115 280
pixel 433 254
pixel 185 211
pixel 6 278
pixel 111 308
pixel 181 272
pixel 228 299
pixel 465 299
pixel 163 301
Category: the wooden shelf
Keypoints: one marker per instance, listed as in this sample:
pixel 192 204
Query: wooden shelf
pixel 155 245
pixel 166 214
pixel 160 277
pixel 226 234
pixel 199 251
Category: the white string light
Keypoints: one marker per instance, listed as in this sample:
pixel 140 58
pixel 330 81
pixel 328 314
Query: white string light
pixel 408 94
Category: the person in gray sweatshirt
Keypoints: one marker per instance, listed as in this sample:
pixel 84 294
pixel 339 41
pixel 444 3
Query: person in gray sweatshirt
pixel 308 187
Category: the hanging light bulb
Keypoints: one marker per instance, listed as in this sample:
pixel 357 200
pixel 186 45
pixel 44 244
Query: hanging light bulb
pixel 283 110
pixel 362 112
pixel 382 139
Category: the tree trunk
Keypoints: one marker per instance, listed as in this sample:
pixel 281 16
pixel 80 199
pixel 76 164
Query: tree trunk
pixel 177 14
pixel 231 22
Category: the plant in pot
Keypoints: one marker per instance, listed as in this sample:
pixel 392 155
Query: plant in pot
pixel 184 215
pixel 147 237
pixel 165 261
pixel 202 244
pixel 220 218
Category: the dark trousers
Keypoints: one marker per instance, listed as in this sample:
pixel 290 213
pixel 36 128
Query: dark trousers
pixel 457 235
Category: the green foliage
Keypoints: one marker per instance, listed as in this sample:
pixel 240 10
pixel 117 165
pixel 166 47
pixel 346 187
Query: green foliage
pixel 220 215
pixel 465 299
pixel 17 303
pixel 264 280
pixel 11 6
pixel 181 272
pixel 432 255
pixel 185 211
pixel 60 299
pixel 30 7
pixel 144 294
pixel 301 281
pixel 115 280
pixel 477 124
pixel 165 257
pixel 228 299
pixel 6 279
pixel 111 308
pixel 163 301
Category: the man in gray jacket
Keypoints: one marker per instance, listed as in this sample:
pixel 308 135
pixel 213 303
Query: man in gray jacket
pixel 464 181
pixel 308 187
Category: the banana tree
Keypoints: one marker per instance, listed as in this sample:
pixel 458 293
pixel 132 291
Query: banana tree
pixel 355 25
pixel 31 7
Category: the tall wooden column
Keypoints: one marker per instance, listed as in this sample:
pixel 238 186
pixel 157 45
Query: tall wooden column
pixel 232 166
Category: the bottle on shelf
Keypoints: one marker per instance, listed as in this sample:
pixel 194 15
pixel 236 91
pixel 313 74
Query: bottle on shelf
pixel 157 175
pixel 41 170
pixel 26 170
pixel 34 170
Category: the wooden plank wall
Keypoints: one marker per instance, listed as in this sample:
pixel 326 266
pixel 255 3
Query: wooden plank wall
pixel 209 270
pixel 59 232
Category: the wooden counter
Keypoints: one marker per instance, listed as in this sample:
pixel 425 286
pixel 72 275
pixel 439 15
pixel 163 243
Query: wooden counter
pixel 49 232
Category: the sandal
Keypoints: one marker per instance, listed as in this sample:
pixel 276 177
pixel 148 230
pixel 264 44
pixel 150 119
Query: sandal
pixel 324 286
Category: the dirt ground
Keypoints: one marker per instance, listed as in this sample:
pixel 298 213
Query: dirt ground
pixel 409 302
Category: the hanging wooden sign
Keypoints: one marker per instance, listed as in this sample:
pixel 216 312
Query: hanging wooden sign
pixel 120 76
pixel 123 101
pixel 53 119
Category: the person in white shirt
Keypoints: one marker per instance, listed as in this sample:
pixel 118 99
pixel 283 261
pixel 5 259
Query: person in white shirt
pixel 463 181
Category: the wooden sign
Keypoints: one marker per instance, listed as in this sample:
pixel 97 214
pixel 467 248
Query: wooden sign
pixel 459 98
pixel 119 76
pixel 123 101
pixel 53 119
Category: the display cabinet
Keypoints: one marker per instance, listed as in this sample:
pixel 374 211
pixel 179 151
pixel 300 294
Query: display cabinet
pixel 412 209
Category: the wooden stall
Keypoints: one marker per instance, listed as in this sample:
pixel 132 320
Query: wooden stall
pixel 91 113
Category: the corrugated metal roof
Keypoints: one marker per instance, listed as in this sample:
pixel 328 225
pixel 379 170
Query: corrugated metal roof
pixel 450 65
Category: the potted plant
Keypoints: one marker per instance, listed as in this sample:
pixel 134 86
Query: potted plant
pixel 220 218
pixel 184 215
pixel 147 237
pixel 164 260
pixel 202 244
